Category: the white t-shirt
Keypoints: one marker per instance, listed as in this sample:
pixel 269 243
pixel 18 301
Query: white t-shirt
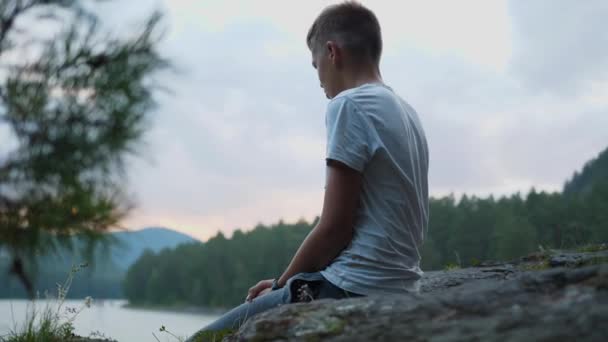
pixel 372 130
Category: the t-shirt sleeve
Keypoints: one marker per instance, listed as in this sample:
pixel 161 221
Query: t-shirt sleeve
pixel 347 134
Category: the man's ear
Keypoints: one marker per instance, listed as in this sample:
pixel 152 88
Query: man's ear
pixel 333 52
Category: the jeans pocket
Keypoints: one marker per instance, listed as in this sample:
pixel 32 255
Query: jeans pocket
pixel 306 291
pixel 304 287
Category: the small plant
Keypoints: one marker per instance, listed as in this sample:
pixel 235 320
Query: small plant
pixel 164 329
pixel 454 265
pixel 451 266
pixel 54 323
pixel 545 251
pixel 458 259
pixel 205 336
pixel 475 262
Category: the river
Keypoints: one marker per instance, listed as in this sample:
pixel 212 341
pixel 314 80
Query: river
pixel 111 318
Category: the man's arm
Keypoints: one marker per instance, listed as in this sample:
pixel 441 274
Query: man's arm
pixel 334 230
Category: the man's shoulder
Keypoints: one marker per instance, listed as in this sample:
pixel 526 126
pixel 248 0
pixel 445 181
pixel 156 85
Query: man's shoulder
pixel 369 97
pixel 365 91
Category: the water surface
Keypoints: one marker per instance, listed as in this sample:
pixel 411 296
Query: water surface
pixel 111 318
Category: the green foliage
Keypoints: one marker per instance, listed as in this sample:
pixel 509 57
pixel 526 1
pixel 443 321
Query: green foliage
pixel 480 229
pixel 451 266
pixel 217 273
pixel 430 256
pixel 515 237
pixel 593 172
pixel 75 111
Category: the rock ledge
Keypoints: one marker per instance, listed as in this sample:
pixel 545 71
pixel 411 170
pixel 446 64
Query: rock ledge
pixel 562 295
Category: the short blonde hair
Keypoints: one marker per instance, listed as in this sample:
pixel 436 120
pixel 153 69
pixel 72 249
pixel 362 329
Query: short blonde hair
pixel 352 26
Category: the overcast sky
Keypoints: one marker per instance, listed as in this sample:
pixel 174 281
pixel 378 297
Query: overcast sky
pixel 512 94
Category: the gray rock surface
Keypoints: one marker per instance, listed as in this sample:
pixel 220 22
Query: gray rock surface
pixel 525 300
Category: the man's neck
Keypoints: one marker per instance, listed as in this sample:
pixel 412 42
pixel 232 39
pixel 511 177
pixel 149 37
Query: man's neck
pixel 360 76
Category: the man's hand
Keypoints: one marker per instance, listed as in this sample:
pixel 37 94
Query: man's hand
pixel 260 289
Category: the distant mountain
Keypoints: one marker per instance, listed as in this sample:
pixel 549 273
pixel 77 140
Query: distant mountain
pixel 594 171
pixel 131 244
pixel 104 277
pixel 127 247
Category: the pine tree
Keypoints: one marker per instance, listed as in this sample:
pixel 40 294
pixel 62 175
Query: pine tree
pixel 75 105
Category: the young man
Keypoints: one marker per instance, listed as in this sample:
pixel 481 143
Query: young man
pixel 375 210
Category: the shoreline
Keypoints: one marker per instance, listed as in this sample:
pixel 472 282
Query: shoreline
pixel 124 303
pixel 177 309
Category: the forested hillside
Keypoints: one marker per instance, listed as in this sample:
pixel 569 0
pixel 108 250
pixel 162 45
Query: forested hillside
pixel 462 232
pixel 594 172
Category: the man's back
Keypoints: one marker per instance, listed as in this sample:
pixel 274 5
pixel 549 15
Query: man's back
pixel 375 132
pixel 375 209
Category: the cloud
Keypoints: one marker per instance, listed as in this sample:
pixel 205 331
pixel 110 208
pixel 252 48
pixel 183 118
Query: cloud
pixel 560 46
pixel 241 137
pixel 246 121
pixel 511 95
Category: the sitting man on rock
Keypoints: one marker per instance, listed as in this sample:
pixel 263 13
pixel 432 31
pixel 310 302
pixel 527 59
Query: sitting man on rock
pixel 375 209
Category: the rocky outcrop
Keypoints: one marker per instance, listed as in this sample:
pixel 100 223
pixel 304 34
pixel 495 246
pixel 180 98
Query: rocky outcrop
pixel 543 297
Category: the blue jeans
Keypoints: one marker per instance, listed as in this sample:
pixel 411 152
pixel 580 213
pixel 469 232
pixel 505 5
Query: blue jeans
pixel 302 287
